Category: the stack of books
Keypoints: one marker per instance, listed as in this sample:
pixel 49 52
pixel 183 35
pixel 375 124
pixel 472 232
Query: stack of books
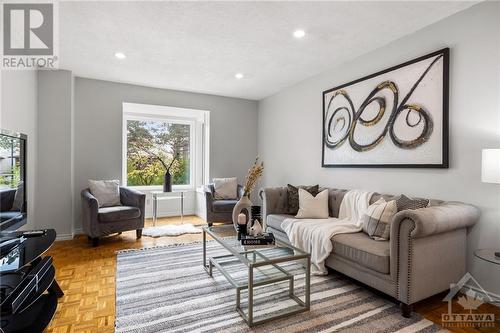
pixel 256 242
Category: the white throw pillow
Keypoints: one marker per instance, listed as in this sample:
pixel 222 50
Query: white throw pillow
pixel 313 207
pixel 107 192
pixel 226 188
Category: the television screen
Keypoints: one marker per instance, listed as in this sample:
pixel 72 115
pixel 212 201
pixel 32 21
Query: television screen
pixel 13 205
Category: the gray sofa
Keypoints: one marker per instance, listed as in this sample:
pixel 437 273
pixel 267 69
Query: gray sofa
pixel 425 253
pixel 98 222
pixel 219 210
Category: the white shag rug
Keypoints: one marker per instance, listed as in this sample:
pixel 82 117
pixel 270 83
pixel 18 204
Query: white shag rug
pixel 171 230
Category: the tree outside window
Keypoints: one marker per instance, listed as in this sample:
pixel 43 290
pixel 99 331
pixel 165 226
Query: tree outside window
pixel 10 168
pixel 151 146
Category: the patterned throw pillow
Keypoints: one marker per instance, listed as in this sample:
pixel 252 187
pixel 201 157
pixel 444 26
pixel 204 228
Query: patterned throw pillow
pixel 403 202
pixel 376 221
pixel 293 196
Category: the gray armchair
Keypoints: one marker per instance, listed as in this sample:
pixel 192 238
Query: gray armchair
pixel 98 222
pixel 9 216
pixel 219 210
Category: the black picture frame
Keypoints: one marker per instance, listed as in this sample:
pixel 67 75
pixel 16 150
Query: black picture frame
pixel 445 121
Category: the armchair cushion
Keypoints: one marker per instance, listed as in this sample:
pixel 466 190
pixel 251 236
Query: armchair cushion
pixel 223 206
pixel 118 213
pixel 361 249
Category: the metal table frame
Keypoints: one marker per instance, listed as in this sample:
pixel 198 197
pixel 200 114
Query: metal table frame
pixel 159 195
pixel 242 257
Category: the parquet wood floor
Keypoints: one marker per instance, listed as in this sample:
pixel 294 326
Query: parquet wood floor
pixel 87 277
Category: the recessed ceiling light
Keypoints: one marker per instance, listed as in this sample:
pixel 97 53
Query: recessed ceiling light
pixel 239 75
pixel 120 55
pixel 299 33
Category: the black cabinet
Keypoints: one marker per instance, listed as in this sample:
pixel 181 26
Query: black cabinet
pixel 28 289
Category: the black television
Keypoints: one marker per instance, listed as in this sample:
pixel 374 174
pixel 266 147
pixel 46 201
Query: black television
pixel 13 200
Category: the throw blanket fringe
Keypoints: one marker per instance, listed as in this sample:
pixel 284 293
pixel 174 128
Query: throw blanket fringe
pixel 314 235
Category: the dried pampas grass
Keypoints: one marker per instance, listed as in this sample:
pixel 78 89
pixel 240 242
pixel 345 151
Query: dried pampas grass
pixel 254 173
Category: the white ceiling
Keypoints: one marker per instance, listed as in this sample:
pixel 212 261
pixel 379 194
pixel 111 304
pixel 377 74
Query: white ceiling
pixel 199 46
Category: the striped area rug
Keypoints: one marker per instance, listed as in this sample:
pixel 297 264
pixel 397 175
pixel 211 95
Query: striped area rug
pixel 166 289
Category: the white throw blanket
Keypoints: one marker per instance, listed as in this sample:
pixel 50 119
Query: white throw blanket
pixel 314 235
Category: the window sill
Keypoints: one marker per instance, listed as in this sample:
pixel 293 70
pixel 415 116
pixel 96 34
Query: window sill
pixel 188 188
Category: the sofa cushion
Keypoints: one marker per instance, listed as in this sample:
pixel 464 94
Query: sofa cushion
pixel 361 249
pixel 118 213
pixel 274 220
pixel 223 206
pixel 279 235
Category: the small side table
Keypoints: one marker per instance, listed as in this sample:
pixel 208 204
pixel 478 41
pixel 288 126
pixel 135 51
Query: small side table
pixel 488 255
pixel 160 195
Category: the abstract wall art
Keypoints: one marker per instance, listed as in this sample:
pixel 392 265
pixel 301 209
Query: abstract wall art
pixel 394 118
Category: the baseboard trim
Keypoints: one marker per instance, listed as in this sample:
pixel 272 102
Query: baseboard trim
pixel 62 237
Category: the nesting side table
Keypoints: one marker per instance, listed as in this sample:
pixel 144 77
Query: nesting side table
pixel 160 196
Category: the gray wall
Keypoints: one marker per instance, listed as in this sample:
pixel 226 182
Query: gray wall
pixel 98 129
pixel 18 112
pixel 54 203
pixel 290 126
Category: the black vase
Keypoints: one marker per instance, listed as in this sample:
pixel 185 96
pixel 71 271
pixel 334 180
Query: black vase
pixel 167 182
pixel 256 214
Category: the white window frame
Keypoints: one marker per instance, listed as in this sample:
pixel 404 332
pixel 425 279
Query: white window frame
pixel 198 139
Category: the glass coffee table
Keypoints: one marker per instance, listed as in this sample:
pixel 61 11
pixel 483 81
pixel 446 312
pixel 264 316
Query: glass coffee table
pixel 263 266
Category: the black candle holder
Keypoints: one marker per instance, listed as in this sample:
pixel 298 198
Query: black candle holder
pixel 242 230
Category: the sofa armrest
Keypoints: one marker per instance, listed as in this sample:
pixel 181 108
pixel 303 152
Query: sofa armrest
pixel 274 201
pixel 433 220
pixel 428 248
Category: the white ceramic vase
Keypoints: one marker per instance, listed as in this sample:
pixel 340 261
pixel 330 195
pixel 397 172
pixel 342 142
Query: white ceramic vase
pixel 244 205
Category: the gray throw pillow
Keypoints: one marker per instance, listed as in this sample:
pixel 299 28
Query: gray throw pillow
pixel 226 188
pixel 17 206
pixel 107 192
pixel 403 203
pixel 293 196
